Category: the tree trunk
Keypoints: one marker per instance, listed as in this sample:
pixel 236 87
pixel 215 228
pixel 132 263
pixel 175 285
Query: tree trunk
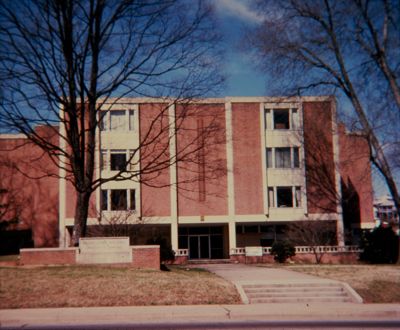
pixel 81 214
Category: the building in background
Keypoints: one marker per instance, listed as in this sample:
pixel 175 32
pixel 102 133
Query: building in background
pixel 267 163
pixel 385 212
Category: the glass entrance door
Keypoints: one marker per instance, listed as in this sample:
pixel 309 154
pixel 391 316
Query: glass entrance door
pixel 199 247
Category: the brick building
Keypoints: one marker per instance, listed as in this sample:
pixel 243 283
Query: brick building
pixel 252 167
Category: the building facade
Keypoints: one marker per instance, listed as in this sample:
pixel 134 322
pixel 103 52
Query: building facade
pixel 215 175
pixel 385 212
pixel 263 164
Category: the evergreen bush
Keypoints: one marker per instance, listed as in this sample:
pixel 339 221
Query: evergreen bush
pixel 282 250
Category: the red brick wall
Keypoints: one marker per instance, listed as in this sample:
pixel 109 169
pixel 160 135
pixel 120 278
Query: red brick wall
pixel 355 170
pixel 319 160
pixel 48 256
pixel 154 155
pixel 247 158
pixel 24 173
pixel 202 175
pixel 146 256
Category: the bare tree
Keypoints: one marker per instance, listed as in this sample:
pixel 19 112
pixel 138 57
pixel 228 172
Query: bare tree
pixel 349 48
pixel 84 57
pixel 313 234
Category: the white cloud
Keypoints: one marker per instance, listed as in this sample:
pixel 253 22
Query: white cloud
pixel 239 9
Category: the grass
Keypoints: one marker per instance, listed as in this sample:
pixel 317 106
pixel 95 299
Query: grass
pixel 79 286
pixel 374 283
pixel 10 257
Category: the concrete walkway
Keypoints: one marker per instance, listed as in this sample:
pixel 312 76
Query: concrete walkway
pixel 251 273
pixel 257 284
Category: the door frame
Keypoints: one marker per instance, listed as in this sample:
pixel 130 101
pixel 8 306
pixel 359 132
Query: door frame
pixel 199 245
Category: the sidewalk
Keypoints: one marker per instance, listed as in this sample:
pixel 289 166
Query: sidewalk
pixel 197 313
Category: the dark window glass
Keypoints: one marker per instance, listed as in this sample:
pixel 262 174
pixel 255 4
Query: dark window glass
pixel 199 230
pixel 118 162
pixel 118 200
pixel 251 229
pixel 282 158
pixel 296 157
pixel 104 200
pixel 182 231
pixel 266 242
pixel 269 157
pixel 281 119
pixel 133 199
pixel 284 196
pixel 216 230
pixel 239 229
pixel 183 242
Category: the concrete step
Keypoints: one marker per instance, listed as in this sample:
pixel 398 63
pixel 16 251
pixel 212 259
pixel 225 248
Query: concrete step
pixel 289 285
pixel 294 289
pixel 299 300
pixel 296 292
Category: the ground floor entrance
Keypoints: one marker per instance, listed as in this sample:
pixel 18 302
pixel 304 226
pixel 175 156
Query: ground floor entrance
pixel 206 242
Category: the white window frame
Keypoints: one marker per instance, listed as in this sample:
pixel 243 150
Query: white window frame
pixel 273 158
pixel 129 122
pixel 105 159
pixel 128 201
pixel 294 116
pixel 295 204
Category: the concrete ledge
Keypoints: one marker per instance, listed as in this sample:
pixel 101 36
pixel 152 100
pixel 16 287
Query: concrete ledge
pixel 309 258
pixel 141 256
pixel 48 256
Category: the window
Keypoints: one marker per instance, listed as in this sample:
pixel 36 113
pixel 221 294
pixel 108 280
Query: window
pixel 103 120
pixel 104 200
pixel 282 158
pixel 295 119
pixel 297 196
pixel 131 120
pixel 271 197
pixel 281 119
pixel 269 158
pixel 132 200
pixel 268 119
pixel 251 229
pixel 296 157
pixel 118 161
pixel 284 197
pixel 239 229
pixel 118 199
pixel 117 120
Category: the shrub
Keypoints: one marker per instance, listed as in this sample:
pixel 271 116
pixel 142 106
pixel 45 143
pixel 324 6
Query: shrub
pixel 166 252
pixel 380 246
pixel 281 250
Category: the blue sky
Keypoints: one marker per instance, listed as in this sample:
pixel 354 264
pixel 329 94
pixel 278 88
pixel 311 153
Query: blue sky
pixel 243 78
